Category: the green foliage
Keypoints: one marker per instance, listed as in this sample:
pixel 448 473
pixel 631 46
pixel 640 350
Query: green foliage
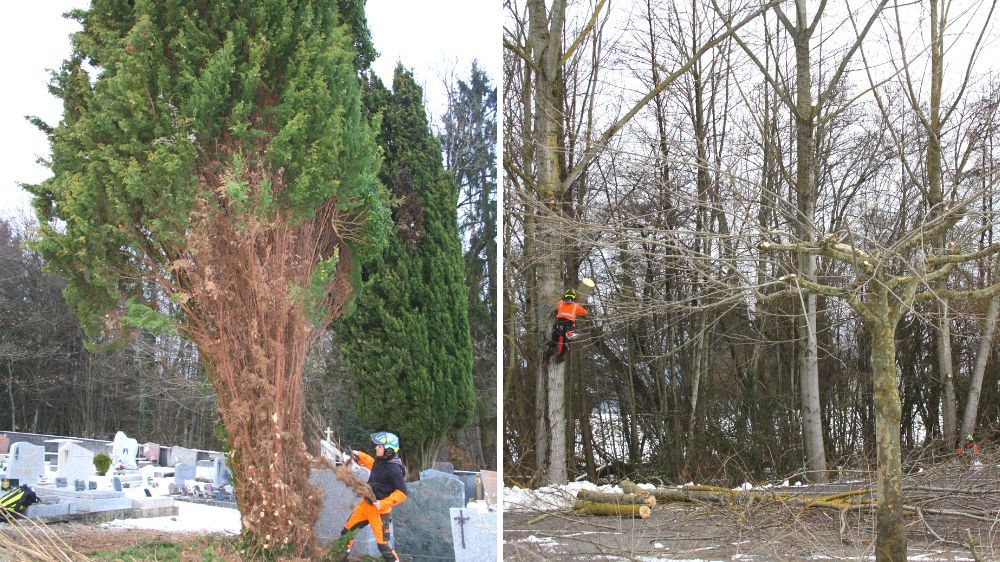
pixel 468 139
pixel 142 316
pixel 184 92
pixel 408 341
pixel 352 13
pixel 338 548
pixel 102 463
pixel 222 436
pixel 312 296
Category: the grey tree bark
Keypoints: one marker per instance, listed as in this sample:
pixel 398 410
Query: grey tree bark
pixel 979 368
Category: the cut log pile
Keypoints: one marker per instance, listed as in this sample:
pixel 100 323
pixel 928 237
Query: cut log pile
pixel 636 504
pixel 853 499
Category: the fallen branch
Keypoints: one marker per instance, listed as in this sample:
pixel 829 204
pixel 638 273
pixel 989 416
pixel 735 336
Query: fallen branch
pixel 641 498
pixel 584 507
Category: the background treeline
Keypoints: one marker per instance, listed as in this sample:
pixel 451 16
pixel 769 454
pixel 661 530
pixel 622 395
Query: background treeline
pixel 152 386
pixel 812 125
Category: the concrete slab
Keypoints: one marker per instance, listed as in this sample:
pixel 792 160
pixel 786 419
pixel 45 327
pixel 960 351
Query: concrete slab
pixel 47 510
pixel 152 503
pixel 90 506
pixel 69 493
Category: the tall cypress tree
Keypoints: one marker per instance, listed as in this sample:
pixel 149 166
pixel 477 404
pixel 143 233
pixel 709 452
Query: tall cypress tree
pixel 220 154
pixel 469 138
pixel 408 341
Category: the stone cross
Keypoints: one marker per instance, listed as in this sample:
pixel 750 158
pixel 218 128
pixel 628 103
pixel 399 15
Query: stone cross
pixel 328 432
pixel 462 518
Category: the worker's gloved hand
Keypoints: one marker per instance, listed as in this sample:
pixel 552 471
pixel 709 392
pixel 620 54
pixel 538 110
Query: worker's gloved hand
pixel 354 455
pixel 377 505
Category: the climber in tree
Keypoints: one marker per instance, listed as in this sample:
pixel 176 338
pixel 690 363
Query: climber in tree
pixel 388 481
pixel 567 311
pixel 969 446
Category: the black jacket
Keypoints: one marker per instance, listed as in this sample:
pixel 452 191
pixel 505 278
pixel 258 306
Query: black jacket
pixel 388 475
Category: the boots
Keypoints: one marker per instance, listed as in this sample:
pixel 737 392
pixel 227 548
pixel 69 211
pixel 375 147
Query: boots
pixel 388 553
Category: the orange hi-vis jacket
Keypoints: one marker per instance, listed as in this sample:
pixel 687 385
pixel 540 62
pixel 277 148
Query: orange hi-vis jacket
pixel 569 310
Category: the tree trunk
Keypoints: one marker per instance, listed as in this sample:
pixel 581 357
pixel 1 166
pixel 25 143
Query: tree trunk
pixel 805 188
pixel 252 335
pixel 10 394
pixel 541 420
pixel 557 423
pixel 545 39
pixel 890 543
pixel 979 368
pixel 935 199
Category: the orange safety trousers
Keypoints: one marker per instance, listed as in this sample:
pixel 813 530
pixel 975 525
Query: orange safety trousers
pixel 365 513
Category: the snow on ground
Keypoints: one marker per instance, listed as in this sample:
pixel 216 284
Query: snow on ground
pixel 560 498
pixel 191 518
pixel 549 498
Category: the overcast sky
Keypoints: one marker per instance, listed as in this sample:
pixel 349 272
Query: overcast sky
pixel 430 37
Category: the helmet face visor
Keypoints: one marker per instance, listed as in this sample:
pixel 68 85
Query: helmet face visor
pixel 386 439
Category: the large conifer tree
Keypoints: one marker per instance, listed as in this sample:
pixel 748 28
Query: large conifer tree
pixel 216 150
pixel 408 340
pixel 469 139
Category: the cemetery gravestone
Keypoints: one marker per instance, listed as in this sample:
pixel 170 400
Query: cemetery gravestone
pixel 490 486
pixel 222 473
pixel 471 480
pixel 116 484
pixel 4 444
pixel 151 452
pixel 26 462
pixel 123 451
pixel 180 455
pixel 444 467
pixel 423 521
pixel 182 473
pixel 75 462
pixel 204 471
pixel 338 503
pixel 61 482
pixel 432 473
pixel 474 534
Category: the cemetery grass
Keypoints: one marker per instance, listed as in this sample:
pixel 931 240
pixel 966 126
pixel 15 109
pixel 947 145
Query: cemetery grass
pixel 134 545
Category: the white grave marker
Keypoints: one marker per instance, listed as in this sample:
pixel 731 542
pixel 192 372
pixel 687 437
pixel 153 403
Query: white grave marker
pixel 123 451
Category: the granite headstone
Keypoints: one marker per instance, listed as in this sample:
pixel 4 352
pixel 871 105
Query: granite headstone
pixel 474 534
pixel 472 482
pixel 26 462
pixel 433 473
pixel 423 521
pixel 182 473
pixel 337 505
pixel 151 452
pixel 204 471
pixel 222 474
pixel 182 455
